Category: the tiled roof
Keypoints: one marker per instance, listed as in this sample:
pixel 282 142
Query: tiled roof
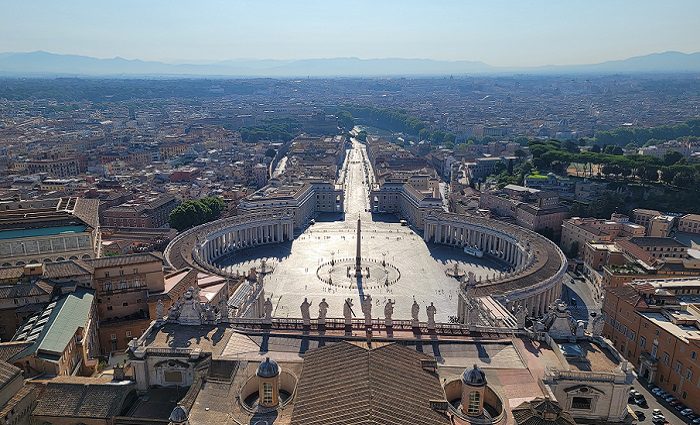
pixel 9 349
pixel 628 293
pixel 9 407
pixel 86 210
pixel 125 260
pixel 21 290
pixel 81 400
pixel 346 383
pixel 534 412
pixel 8 373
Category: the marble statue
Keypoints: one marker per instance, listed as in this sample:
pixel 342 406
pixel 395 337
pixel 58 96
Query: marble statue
pixel 367 309
pixel 305 312
pixel 267 310
pixel 160 307
pixel 597 325
pixel 471 279
pixel 209 314
pixel 431 310
pixel 415 309
pixel 388 313
pixel 190 309
pixel 521 315
pixel 322 311
pixel 347 311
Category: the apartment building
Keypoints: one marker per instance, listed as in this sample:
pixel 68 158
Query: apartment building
pixel 576 232
pixel 655 324
pixel 143 212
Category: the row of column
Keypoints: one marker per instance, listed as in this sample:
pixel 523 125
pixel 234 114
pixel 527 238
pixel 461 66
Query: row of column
pixel 246 237
pixel 460 235
pixel 538 303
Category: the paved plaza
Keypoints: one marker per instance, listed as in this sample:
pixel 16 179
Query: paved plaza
pixel 422 267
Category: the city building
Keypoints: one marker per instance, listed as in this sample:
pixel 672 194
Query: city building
pixel 533 209
pixel 576 232
pixel 48 230
pixel 143 212
pixel 655 324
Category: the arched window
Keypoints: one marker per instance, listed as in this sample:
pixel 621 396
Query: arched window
pixel 474 403
pixel 267 393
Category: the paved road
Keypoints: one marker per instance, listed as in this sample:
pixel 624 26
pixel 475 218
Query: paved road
pixel 579 296
pixel 670 414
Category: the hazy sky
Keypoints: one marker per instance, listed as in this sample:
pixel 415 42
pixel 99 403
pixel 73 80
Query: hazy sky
pixel 498 32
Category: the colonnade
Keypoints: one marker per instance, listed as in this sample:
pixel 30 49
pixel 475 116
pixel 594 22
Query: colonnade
pixel 531 285
pixel 244 236
pixel 500 246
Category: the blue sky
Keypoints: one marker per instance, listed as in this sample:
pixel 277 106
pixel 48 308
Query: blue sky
pixel 498 32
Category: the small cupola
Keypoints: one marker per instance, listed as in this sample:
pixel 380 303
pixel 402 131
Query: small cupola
pixel 268 374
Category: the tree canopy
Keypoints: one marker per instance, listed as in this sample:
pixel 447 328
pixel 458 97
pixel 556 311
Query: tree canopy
pixel 195 212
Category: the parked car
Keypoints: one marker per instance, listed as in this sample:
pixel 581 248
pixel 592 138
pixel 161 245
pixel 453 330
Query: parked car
pixel 659 419
pixel 687 411
pixel 656 391
pixel 656 412
pixel 640 415
pixel 696 421
pixel 669 398
pixel 678 406
pixel 640 400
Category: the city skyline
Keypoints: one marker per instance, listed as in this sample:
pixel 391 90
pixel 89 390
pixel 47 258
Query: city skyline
pixel 504 33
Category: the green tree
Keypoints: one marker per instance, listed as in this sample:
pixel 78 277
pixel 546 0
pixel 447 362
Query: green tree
pixel 672 157
pixel 194 212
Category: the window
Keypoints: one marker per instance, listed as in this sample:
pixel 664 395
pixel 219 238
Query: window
pixel 642 342
pixel 172 376
pixel 113 337
pixel 267 393
pixel 693 355
pixel 128 334
pixel 678 366
pixel 665 358
pixel 688 374
pixel 474 403
pixel 581 403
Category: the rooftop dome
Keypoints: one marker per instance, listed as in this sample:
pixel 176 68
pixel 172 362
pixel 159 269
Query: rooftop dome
pixel 268 369
pixel 178 415
pixel 474 377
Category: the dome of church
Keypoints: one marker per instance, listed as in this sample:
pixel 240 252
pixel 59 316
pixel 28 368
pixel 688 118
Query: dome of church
pixel 474 377
pixel 268 369
pixel 178 415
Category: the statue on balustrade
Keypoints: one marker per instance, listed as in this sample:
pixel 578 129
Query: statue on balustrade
pixel 431 311
pixel 388 313
pixel 267 311
pixel 322 311
pixel 347 311
pixel 415 310
pixel 306 312
pixel 367 309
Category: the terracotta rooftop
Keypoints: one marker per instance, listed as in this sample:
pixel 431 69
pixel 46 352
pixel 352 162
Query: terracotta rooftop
pixel 348 383
pixel 79 400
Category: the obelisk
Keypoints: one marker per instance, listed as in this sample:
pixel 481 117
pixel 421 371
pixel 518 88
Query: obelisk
pixel 358 253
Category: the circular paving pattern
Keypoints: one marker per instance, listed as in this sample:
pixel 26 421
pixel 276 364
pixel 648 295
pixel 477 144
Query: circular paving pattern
pixel 375 274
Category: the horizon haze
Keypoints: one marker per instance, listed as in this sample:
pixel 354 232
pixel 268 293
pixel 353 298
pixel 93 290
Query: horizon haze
pixel 505 34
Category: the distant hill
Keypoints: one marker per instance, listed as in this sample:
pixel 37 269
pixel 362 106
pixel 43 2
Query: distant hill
pixel 50 64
